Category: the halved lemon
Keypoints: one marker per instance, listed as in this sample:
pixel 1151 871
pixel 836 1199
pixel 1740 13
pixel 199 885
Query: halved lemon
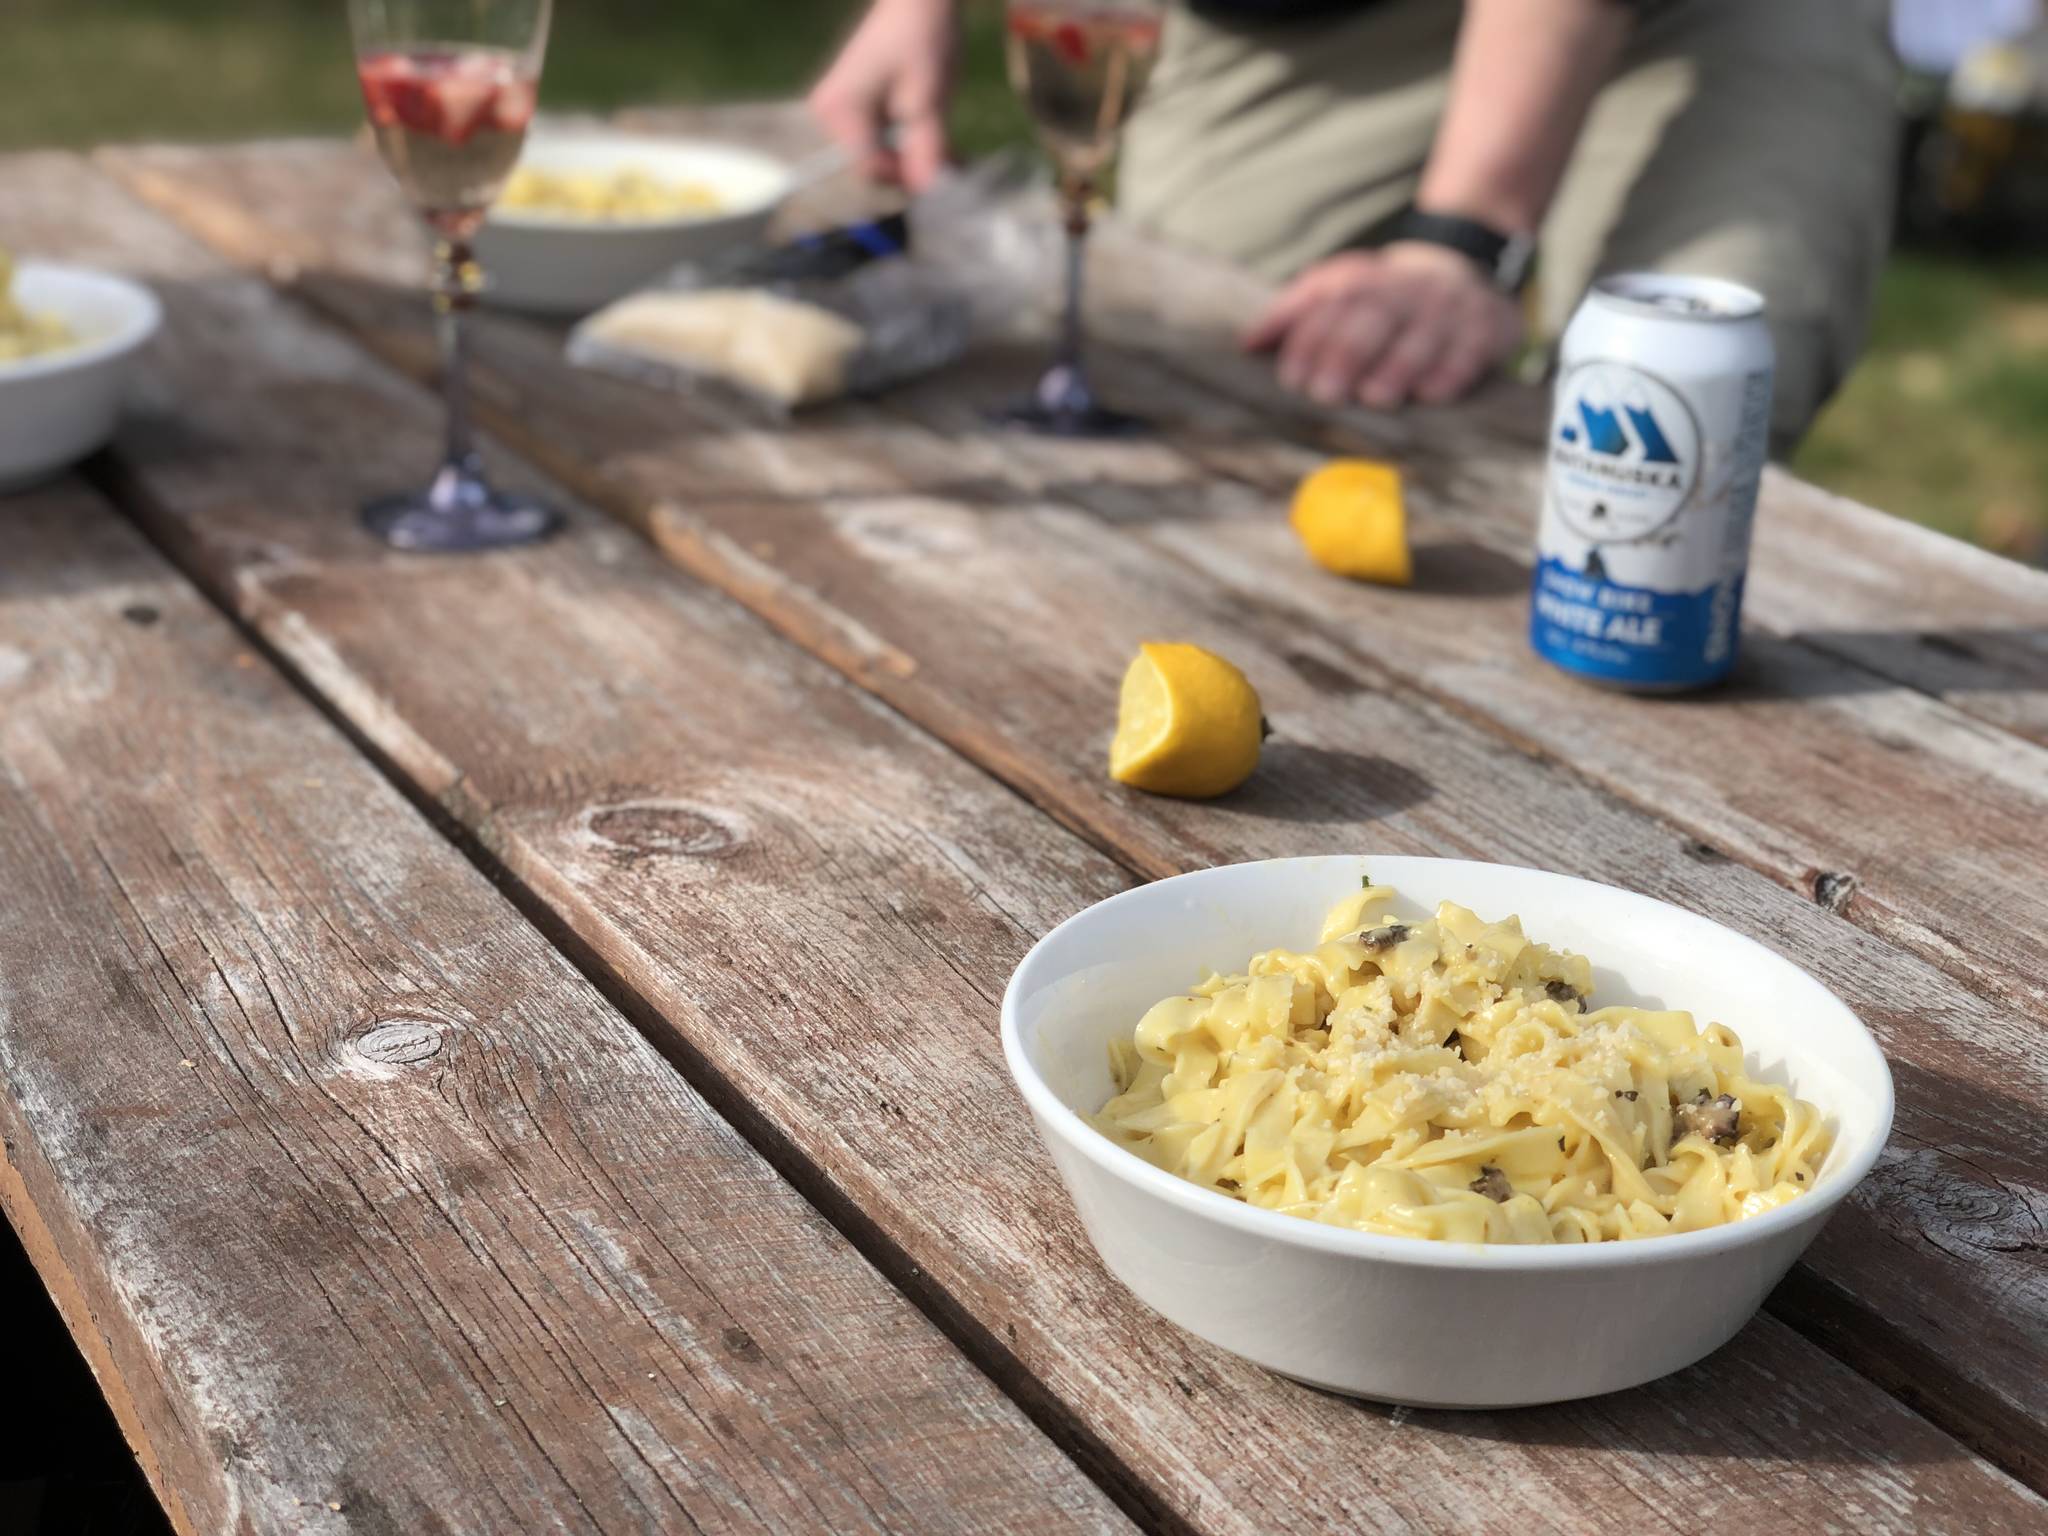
pixel 1187 724
pixel 1351 519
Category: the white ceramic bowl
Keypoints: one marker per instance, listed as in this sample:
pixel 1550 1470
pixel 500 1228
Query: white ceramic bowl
pixel 1406 1320
pixel 554 264
pixel 58 407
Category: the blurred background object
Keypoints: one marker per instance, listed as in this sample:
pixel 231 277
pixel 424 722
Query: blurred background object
pixel 1941 422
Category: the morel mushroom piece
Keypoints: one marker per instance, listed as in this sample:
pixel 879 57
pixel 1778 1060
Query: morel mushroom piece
pixel 1493 1184
pixel 1562 992
pixel 1387 937
pixel 1716 1120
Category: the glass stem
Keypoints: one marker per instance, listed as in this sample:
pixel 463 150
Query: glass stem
pixel 1074 193
pixel 456 280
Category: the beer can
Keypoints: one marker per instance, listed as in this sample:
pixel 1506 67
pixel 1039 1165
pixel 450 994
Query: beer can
pixel 1657 443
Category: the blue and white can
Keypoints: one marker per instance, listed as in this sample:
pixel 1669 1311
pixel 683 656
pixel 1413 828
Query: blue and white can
pixel 1657 443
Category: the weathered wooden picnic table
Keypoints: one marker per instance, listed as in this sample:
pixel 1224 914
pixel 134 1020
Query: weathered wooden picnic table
pixel 509 1043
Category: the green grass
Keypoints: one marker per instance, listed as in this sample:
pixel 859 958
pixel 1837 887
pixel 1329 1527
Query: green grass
pixel 213 69
pixel 1942 421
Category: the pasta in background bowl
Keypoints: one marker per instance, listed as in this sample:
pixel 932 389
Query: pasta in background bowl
pixel 1435 1320
pixel 60 398
pixel 26 332
pixel 653 203
pixel 626 195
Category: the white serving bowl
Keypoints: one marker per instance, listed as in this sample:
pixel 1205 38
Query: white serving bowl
pixel 58 407
pixel 554 264
pixel 1406 1320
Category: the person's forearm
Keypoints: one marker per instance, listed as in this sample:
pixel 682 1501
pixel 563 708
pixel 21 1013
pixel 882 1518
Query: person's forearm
pixel 1525 73
pixel 949 8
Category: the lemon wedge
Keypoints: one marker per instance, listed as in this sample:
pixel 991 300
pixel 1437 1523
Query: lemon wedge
pixel 1350 518
pixel 1188 724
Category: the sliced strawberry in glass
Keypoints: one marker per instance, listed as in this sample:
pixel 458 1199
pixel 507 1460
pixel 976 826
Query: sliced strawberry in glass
pixel 380 75
pixel 461 98
pixel 512 109
pixel 415 104
pixel 1071 42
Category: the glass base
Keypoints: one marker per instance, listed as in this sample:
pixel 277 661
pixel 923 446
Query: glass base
pixel 1063 405
pixel 461 510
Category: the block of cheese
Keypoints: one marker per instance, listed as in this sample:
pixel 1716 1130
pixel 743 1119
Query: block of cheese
pixel 791 352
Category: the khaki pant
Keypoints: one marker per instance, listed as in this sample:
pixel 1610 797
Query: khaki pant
pixel 1744 139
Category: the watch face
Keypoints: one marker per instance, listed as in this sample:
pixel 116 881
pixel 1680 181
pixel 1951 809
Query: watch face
pixel 1511 267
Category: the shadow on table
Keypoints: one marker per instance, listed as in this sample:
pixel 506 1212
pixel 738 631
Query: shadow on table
pixel 1324 786
pixel 63 538
pixel 1825 663
pixel 1458 568
pixel 1740 1392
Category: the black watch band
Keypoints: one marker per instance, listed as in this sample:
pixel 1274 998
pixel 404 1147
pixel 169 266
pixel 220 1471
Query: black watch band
pixel 1505 259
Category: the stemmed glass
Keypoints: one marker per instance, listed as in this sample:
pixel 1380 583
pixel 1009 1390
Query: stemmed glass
pixel 449 86
pixel 1080 66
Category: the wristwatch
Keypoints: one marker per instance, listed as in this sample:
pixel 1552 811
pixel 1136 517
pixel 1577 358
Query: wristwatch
pixel 1505 259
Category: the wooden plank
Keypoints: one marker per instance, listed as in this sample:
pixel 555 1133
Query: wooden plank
pixel 909 884
pixel 1842 794
pixel 1850 757
pixel 1908 603
pixel 1930 826
pixel 882 555
pixel 1969 624
pixel 949 602
pixel 1901 601
pixel 370 1214
pixel 1920 822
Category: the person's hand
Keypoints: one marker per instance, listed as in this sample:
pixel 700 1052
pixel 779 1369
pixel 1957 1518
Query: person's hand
pixel 895 73
pixel 1410 321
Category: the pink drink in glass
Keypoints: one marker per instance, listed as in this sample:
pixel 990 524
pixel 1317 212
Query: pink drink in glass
pixel 449 123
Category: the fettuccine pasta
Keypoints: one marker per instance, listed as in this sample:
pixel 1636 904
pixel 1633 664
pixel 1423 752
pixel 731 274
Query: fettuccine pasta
pixel 24 334
pixel 1450 1079
pixel 615 196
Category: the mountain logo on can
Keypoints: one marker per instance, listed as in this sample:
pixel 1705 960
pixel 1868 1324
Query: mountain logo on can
pixel 1625 457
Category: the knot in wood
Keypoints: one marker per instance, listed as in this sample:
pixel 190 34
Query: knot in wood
pixel 740 1344
pixel 664 829
pixel 1833 889
pixel 399 1042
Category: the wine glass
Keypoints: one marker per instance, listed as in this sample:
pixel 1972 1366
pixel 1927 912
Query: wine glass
pixel 1079 66
pixel 449 86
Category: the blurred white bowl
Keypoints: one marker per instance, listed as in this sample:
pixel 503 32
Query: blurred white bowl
pixel 57 407
pixel 1407 1320
pixel 559 264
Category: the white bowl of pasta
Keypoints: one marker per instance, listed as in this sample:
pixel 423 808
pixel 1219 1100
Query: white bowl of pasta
pixel 1397 1154
pixel 67 335
pixel 590 216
